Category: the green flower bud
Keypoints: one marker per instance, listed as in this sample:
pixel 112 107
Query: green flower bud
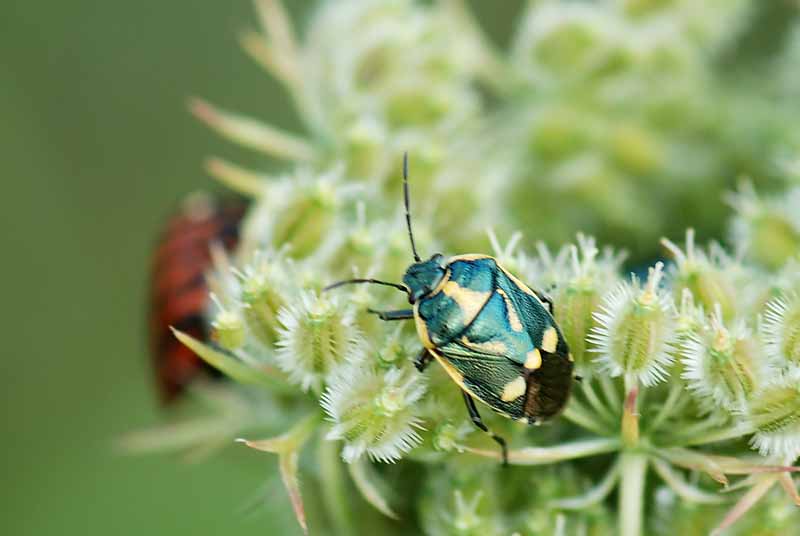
pixel 569 42
pixel 395 350
pixel 768 229
pixel 636 331
pixel 712 278
pixel 691 318
pixel 297 211
pixel 263 287
pixel 317 335
pixel 577 278
pixel 722 366
pixel 375 72
pixel 450 436
pixel 365 140
pixel 229 330
pixel 781 329
pixel 463 501
pixel 374 411
pixel 636 149
pixel 352 247
pixel 774 412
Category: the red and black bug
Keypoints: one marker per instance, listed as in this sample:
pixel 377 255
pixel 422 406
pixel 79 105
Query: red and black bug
pixel 178 289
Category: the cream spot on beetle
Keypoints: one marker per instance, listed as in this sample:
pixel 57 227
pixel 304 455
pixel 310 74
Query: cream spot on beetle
pixel 513 318
pixel 470 301
pixel 523 420
pixel 513 389
pixel 533 359
pixel 422 329
pixel 489 347
pixel 550 340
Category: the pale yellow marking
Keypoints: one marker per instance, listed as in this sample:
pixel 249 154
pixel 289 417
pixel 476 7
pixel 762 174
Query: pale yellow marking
pixel 478 256
pixel 549 340
pixel 422 329
pixel 470 257
pixel 571 359
pixel 533 360
pixel 523 420
pixel 492 347
pixel 470 301
pixel 513 317
pixel 438 288
pixel 513 389
pixel 525 288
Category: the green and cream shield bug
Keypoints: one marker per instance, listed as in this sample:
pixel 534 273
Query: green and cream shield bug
pixel 494 336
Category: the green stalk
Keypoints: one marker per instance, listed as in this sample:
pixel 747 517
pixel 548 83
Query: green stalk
pixel 723 434
pixel 633 472
pixel 667 408
pixel 576 413
pixel 610 391
pixel 334 488
pixel 595 402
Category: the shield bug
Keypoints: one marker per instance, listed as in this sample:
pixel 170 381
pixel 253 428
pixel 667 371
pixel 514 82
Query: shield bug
pixel 178 290
pixel 493 335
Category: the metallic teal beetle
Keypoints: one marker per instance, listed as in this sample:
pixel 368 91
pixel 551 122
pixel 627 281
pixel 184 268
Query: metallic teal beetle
pixel 494 336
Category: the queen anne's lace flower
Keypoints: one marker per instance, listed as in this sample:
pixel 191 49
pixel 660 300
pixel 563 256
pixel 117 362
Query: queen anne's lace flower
pixel 609 117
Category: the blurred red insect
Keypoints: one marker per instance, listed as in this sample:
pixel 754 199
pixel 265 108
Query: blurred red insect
pixel 178 288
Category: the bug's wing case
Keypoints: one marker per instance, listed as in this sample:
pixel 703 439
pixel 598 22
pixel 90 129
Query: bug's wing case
pixel 550 385
pixel 486 352
pixel 178 291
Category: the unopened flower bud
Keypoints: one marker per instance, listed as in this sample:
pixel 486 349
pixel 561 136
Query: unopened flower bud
pixel 775 414
pixel 316 336
pixel 636 330
pixel 374 411
pixel 721 366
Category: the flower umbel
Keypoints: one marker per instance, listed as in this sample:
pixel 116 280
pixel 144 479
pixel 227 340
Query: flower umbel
pixel 619 118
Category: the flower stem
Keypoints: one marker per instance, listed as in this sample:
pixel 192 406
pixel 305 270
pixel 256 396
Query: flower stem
pixel 576 413
pixel 334 492
pixel 558 453
pixel 675 391
pixel 595 402
pixel 720 435
pixel 633 472
pixel 610 391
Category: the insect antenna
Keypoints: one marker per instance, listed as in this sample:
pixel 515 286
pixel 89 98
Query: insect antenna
pixel 408 212
pixel 373 281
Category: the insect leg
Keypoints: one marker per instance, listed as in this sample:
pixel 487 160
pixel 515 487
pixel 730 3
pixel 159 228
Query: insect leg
pixel 403 314
pixel 545 299
pixel 422 360
pixel 477 421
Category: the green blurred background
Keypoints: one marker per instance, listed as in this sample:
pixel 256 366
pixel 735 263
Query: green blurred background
pixel 96 148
